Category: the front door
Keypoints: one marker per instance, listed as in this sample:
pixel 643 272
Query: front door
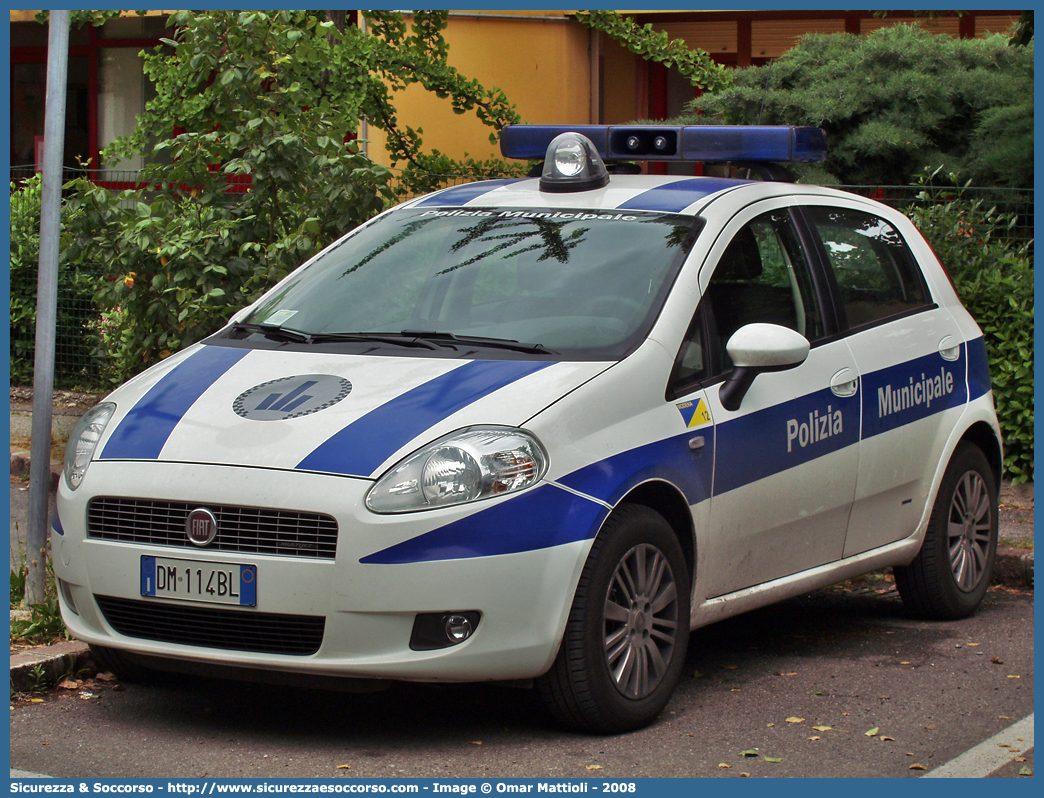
pixel 785 460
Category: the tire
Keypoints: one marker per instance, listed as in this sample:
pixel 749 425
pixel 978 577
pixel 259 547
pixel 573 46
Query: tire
pixel 626 637
pixel 952 571
pixel 124 667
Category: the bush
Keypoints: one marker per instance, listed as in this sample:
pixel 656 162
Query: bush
pixel 74 341
pixel 892 102
pixel 269 101
pixel 995 281
pixel 179 263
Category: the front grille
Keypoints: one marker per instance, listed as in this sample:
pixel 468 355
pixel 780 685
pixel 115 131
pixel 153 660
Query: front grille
pixel 210 627
pixel 255 530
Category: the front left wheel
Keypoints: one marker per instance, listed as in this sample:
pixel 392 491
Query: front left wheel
pixel 628 628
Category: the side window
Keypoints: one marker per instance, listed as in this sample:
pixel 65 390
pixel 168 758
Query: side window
pixel 875 270
pixel 690 366
pixel 762 276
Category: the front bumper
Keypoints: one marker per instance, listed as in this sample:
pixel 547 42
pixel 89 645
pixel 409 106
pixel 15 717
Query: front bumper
pixel 368 608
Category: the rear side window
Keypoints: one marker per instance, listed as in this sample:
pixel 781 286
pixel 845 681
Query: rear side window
pixel 874 269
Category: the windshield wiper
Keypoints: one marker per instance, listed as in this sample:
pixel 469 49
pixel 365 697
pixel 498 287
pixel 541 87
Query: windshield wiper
pixel 302 337
pixel 450 339
pixel 424 339
pixel 275 333
pixel 394 338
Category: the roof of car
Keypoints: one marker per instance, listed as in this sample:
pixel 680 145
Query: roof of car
pixel 669 194
pixel 663 193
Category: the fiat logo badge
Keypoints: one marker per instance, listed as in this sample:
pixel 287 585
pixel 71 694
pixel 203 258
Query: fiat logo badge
pixel 201 526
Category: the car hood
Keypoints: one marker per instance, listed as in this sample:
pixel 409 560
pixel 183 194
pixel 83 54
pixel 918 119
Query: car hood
pixel 354 415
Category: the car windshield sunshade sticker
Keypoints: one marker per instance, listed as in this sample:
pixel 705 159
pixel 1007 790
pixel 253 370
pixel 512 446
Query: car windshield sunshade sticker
pixel 676 197
pixel 291 397
pixel 361 447
pixel 460 195
pixel 783 436
pixel 899 395
pixel 538 519
pixel 670 460
pixel 143 432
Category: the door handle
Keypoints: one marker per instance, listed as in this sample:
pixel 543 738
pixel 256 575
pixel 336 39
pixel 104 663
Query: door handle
pixel 845 383
pixel 950 349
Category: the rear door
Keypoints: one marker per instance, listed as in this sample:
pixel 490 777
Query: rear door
pixel 912 363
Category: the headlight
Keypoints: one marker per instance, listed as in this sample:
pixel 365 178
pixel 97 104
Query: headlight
pixel 83 440
pixel 472 463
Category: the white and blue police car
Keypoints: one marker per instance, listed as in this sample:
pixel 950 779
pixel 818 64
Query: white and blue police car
pixel 537 430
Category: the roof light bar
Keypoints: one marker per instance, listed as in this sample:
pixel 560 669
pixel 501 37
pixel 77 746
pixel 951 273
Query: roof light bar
pixel 704 143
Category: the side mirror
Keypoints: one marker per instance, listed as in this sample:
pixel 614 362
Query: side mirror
pixel 755 348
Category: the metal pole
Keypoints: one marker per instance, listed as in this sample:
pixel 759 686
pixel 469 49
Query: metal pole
pixel 364 128
pixel 46 303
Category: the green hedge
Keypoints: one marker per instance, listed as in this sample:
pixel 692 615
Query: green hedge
pixel 77 361
pixel 994 278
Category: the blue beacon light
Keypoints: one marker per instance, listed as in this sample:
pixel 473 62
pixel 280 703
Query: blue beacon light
pixel 703 143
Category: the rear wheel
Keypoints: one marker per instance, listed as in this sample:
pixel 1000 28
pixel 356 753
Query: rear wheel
pixel 628 629
pixel 951 573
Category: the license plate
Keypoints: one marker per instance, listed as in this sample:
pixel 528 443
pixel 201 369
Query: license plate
pixel 198 580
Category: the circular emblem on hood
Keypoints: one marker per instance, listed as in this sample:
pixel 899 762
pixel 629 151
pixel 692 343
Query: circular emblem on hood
pixel 291 397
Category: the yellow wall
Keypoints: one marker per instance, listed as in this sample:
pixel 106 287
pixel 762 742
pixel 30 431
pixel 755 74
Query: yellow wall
pixel 541 63
pixel 619 85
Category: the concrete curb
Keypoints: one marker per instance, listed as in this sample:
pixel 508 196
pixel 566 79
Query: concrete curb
pixel 20 466
pixel 1013 568
pixel 36 667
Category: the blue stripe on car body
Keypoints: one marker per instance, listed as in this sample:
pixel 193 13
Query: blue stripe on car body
pixel 541 518
pixel 670 460
pixel 777 438
pixel 537 519
pixel 363 445
pixel 143 432
pixel 677 196
pixel 978 369
pixel 461 195
pixel 902 394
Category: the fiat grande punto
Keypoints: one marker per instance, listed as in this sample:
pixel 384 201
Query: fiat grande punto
pixel 537 430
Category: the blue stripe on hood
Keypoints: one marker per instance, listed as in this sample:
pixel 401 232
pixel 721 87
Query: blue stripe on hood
pixel 363 445
pixel 143 432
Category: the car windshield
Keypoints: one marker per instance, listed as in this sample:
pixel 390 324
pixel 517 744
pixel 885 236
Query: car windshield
pixel 576 283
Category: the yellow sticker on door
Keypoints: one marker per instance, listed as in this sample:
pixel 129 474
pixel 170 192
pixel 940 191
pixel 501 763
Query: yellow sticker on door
pixel 695 414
